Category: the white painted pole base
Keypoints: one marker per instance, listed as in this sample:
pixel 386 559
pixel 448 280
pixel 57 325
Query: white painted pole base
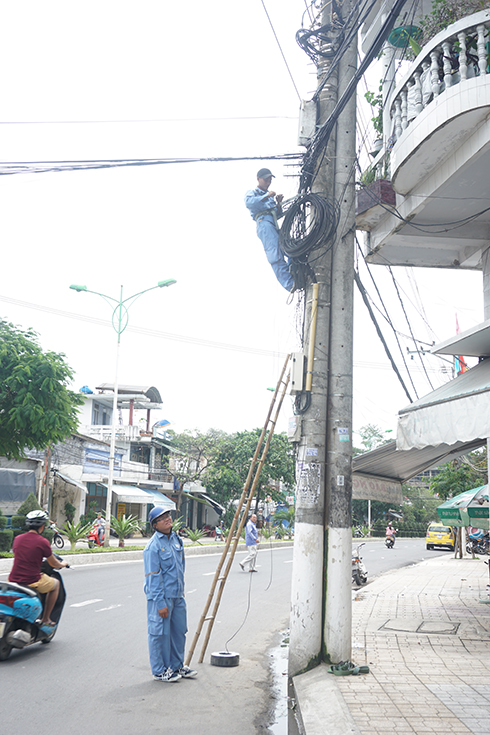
pixel 338 611
pixel 305 637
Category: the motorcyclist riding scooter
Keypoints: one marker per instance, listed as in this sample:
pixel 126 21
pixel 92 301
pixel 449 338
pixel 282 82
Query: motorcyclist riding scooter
pixel 32 600
pixel 390 536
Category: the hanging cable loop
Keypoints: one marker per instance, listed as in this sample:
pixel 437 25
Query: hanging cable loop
pixel 309 223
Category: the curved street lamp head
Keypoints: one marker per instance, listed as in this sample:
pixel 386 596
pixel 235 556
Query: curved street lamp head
pixel 75 287
pixel 168 282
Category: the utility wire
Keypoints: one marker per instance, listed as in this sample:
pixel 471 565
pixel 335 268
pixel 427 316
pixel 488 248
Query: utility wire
pixel 29 167
pixel 380 334
pixel 280 49
pixel 408 323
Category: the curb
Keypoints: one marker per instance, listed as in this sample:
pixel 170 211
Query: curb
pixel 125 556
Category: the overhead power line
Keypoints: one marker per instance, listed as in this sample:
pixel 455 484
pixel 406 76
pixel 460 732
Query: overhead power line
pixel 34 167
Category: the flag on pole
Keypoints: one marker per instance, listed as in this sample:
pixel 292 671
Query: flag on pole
pixel 460 365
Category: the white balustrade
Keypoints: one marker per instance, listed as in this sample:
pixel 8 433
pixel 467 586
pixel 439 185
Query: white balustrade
pixel 449 59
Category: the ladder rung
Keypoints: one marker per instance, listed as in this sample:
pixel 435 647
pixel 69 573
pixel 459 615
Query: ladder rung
pixel 211 617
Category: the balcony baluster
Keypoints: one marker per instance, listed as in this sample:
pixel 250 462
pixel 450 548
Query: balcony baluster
pixel 463 60
pixel 446 62
pixel 482 55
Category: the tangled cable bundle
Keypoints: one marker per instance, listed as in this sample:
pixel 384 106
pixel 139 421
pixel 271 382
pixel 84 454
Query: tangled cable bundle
pixel 309 223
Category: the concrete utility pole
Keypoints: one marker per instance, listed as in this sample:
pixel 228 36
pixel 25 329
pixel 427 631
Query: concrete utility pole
pixel 338 608
pixel 320 626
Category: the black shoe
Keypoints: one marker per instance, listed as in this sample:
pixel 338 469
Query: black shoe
pixel 253 570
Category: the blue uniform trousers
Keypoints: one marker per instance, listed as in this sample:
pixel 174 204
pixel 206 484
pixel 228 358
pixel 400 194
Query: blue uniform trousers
pixel 166 636
pixel 269 236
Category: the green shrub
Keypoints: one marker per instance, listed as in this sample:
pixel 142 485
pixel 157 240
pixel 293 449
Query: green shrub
pixel 30 503
pixel 6 538
pixel 69 511
pixel 18 522
pixel 3 520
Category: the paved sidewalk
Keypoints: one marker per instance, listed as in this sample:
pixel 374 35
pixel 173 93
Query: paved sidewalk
pixel 425 636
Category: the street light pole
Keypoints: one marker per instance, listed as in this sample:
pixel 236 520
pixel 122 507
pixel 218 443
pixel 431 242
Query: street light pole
pixel 120 319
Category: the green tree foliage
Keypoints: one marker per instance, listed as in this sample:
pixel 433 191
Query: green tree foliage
pixel 460 475
pixel 229 463
pixel 6 534
pixel 222 461
pixel 36 407
pixel 360 511
pixel 372 436
pixel 446 12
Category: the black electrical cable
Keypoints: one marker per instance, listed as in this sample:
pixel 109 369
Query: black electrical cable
pixel 309 222
pixel 365 298
pixel 390 323
pixel 318 144
pixel 409 325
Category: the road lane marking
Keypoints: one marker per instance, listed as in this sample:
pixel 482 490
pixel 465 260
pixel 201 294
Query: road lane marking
pixel 111 607
pixel 87 602
pixel 289 561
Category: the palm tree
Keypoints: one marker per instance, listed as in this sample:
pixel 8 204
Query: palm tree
pixel 75 531
pixel 124 527
pixel 286 516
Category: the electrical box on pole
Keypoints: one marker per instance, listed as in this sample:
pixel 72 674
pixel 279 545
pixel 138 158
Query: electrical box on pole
pixel 297 372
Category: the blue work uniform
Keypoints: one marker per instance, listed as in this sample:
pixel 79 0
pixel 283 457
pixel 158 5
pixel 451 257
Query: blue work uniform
pixel 164 587
pixel 258 202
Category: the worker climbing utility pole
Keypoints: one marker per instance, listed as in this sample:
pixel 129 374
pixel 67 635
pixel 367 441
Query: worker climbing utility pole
pixel 320 625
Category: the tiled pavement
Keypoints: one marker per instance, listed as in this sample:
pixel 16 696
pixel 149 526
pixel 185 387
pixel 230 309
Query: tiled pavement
pixel 425 636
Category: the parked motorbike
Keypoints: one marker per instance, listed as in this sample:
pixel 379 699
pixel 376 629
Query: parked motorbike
pixel 58 539
pixel 478 545
pixel 390 541
pixel 359 571
pixel 20 612
pixel 358 532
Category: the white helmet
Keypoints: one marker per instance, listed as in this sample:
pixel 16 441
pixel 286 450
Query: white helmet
pixel 36 519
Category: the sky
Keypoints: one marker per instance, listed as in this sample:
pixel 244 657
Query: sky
pixel 160 80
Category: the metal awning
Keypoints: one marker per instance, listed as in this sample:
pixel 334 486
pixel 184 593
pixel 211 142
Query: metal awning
pixel 71 481
pixel 133 494
pixel 213 503
pixel 474 342
pixel 160 499
pixel 205 500
pixel 458 411
pixel 379 474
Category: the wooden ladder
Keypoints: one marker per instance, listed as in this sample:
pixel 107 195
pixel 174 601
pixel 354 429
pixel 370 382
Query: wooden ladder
pixel 246 497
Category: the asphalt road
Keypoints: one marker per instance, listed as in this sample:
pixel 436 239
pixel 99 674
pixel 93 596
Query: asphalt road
pixel 378 559
pixel 95 673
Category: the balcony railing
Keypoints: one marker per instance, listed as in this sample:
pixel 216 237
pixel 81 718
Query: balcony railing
pixel 459 53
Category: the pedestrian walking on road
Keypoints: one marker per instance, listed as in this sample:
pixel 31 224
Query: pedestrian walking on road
pixel 251 537
pixel 166 607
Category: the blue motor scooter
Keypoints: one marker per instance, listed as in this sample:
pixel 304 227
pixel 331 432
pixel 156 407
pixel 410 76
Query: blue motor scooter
pixel 20 611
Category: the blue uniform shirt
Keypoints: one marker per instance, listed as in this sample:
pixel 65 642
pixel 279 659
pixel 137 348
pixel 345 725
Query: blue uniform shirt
pixel 255 201
pixel 164 568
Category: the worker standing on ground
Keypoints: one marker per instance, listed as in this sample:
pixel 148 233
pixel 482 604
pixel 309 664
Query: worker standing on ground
pixel 265 208
pixel 166 606
pixel 251 538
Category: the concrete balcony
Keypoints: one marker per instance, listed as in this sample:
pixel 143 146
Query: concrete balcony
pixel 439 156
